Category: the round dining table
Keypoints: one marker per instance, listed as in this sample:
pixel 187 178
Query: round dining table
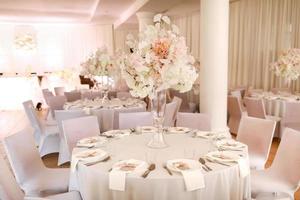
pixel 107 111
pixel 222 182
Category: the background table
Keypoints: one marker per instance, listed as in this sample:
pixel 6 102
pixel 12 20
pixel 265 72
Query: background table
pixel 222 183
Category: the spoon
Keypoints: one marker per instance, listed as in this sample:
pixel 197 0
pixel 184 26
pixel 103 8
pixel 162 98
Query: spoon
pixel 150 168
pixel 202 161
pixel 166 168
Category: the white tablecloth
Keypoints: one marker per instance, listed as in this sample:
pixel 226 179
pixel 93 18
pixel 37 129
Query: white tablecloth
pixel 108 112
pixel 223 183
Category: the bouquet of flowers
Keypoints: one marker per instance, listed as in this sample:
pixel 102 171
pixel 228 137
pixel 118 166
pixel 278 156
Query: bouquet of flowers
pixel 287 65
pixel 98 64
pixel 160 60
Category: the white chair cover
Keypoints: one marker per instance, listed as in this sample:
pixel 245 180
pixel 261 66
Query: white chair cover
pixel 284 174
pixel 170 114
pixel 56 103
pixel 46 94
pixel 235 113
pixel 198 121
pixel 31 174
pixel 28 106
pixel 61 115
pixel 105 118
pixel 132 120
pixel 257 134
pixel 291 116
pixel 125 110
pixel 72 96
pixel 78 128
pixel 59 91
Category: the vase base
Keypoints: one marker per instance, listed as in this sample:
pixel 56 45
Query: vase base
pixel 157 143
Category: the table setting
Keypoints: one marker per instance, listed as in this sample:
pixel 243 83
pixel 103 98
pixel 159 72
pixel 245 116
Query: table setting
pixel 191 165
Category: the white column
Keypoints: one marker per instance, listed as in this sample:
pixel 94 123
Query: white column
pixel 214 25
pixel 144 18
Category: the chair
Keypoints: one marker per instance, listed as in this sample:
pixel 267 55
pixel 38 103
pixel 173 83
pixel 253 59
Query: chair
pixel 281 90
pixel 31 174
pixel 257 134
pixel 72 96
pixel 59 91
pixel 45 136
pixel 125 110
pixel 178 101
pixel 124 95
pixel 170 114
pixel 105 118
pixel 256 108
pixel 61 115
pixel 10 190
pixel 235 113
pixel 291 116
pixel 198 121
pixel 47 93
pixel 56 103
pixel 79 128
pixel 284 174
pixel 132 120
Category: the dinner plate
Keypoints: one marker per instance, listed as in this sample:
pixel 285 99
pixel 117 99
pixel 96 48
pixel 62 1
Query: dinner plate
pixel 230 144
pixel 178 129
pixel 223 156
pixel 91 141
pixel 179 165
pixel 130 165
pixel 91 155
pixel 117 133
pixel 205 134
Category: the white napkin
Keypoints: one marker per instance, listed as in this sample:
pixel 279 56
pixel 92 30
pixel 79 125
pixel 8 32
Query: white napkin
pixel 193 179
pixel 117 180
pixel 244 167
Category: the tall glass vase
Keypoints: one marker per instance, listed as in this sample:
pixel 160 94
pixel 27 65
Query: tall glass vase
pixel 158 106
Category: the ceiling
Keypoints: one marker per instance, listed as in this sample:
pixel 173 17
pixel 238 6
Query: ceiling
pixel 117 12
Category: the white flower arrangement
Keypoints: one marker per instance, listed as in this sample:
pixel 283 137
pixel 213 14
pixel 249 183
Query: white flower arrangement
pixel 25 42
pixel 98 64
pixel 160 60
pixel 288 65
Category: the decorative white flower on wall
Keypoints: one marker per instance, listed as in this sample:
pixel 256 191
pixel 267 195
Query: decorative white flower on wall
pixel 25 42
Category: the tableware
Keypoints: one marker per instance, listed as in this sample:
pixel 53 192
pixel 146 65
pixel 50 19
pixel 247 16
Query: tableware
pixel 202 161
pixel 150 168
pixel 223 156
pixel 204 134
pixel 166 168
pixel 230 144
pixel 116 133
pixel 91 142
pixel 178 130
pixel 179 165
pixel 131 165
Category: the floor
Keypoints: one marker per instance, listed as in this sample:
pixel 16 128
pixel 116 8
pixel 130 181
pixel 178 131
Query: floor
pixel 13 121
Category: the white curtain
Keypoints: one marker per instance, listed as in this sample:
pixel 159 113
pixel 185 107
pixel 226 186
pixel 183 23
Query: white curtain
pixel 59 46
pixel 189 26
pixel 120 38
pixel 259 31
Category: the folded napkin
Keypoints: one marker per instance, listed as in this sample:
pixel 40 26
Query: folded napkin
pixel 243 167
pixel 193 179
pixel 117 180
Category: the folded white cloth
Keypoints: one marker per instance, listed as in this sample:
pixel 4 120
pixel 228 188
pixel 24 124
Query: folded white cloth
pixel 244 167
pixel 193 179
pixel 117 180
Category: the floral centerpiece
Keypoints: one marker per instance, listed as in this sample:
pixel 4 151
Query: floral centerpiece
pixel 99 66
pixel 288 65
pixel 160 60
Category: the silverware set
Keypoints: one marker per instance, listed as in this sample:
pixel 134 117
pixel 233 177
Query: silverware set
pixel 150 168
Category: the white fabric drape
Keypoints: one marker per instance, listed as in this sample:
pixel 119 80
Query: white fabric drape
pixel 259 31
pixel 59 46
pixel 120 38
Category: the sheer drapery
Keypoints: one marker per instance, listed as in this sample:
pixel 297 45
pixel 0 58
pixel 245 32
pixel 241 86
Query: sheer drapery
pixel 59 46
pixel 259 31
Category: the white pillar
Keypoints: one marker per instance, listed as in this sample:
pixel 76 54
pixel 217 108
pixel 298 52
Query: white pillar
pixel 144 18
pixel 214 23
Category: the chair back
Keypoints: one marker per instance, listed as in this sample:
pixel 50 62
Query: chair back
pixel 236 93
pixel 28 105
pixel 281 90
pixel 105 118
pixel 123 95
pixel 59 91
pixel 286 163
pixel 47 93
pixel 170 114
pixel 132 120
pixel 255 107
pixel 291 116
pixel 72 96
pixel 56 103
pixel 125 110
pixel 32 116
pixel 79 128
pixel 178 102
pixel 9 188
pixel 23 156
pixel 198 121
pixel 234 107
pixel 258 135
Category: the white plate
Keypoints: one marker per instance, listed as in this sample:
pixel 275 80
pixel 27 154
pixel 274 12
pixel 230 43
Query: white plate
pixel 91 155
pixel 117 133
pixel 91 141
pixel 205 134
pixel 130 166
pixel 174 165
pixel 178 129
pixel 230 144
pixel 223 156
